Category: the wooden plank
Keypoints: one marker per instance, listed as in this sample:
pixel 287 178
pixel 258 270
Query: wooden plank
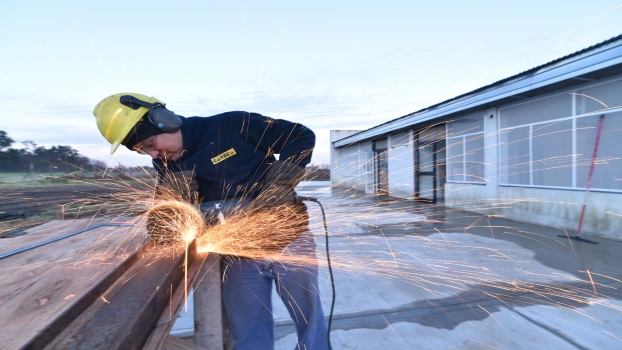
pixel 103 279
pixel 42 233
pixel 45 288
pixel 59 238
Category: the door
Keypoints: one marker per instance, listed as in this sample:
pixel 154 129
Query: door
pixel 368 166
pixel 428 170
pixel 382 166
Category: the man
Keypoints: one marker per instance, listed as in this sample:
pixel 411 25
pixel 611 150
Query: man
pixel 232 156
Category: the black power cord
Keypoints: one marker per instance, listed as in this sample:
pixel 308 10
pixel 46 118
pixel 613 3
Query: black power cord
pixel 330 268
pixel 218 207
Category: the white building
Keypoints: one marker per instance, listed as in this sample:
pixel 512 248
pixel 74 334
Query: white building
pixel 522 148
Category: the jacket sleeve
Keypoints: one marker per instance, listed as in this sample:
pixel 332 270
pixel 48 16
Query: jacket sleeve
pixel 293 142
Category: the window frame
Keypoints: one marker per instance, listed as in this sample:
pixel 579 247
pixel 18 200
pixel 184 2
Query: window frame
pixel 574 118
pixel 463 154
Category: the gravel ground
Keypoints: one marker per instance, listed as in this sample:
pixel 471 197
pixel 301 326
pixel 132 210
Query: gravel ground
pixel 29 205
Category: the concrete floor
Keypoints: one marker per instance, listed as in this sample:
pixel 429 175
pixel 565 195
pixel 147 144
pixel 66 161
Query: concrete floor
pixel 420 276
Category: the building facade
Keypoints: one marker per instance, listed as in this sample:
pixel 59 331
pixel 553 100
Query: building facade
pixel 543 146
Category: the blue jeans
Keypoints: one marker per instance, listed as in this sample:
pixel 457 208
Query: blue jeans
pixel 247 289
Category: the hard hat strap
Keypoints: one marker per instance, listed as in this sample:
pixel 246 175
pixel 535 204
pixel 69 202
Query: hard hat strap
pixel 158 115
pixel 136 103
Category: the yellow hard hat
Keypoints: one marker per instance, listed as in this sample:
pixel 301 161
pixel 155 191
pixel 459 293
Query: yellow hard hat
pixel 115 120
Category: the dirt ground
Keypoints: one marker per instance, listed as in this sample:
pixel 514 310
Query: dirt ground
pixel 24 206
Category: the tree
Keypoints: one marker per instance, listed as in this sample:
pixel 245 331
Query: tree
pixel 40 159
pixel 5 140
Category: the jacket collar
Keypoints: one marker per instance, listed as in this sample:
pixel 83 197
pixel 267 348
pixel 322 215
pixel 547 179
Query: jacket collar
pixel 187 140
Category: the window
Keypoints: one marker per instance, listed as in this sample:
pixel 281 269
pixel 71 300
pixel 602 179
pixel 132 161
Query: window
pixel 551 154
pixel 465 149
pixel 514 162
pixel 549 108
pixel 542 145
pixel 474 158
pixel 599 97
pixel 608 167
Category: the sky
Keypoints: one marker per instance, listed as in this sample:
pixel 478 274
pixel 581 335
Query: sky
pixel 330 65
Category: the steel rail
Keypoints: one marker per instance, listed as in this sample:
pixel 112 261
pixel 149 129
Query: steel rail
pixel 125 315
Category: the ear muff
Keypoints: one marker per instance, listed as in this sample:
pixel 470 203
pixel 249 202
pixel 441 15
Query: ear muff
pixel 164 119
pixel 158 115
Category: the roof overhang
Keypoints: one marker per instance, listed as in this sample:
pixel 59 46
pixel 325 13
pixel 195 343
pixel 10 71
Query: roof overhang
pixel 596 62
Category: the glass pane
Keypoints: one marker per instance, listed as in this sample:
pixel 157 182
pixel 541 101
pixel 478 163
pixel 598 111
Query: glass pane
pixel 550 108
pixel 434 133
pixel 514 156
pixel 466 125
pixel 552 154
pixel 426 158
pixel 381 144
pixel 455 159
pixel 474 158
pixel 426 186
pixel 383 171
pixel 370 171
pixel 599 97
pixel 608 168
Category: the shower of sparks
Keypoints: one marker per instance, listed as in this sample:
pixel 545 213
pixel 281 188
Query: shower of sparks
pixel 592 281
pixel 265 233
pixel 172 221
pixel 389 324
pixel 369 236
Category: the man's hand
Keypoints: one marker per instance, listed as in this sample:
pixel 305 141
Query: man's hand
pixel 277 216
pixel 278 187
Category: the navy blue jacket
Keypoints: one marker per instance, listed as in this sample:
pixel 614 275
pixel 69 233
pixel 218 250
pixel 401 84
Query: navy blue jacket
pixel 231 152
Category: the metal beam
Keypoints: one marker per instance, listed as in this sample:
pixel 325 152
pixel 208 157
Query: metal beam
pixel 125 315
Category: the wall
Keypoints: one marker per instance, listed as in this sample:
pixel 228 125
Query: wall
pixel 544 158
pixel 548 198
pixel 469 197
pixel 554 208
pixel 347 168
pixel 562 209
pixel 548 207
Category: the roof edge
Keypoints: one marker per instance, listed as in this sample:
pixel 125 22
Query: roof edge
pixel 546 72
